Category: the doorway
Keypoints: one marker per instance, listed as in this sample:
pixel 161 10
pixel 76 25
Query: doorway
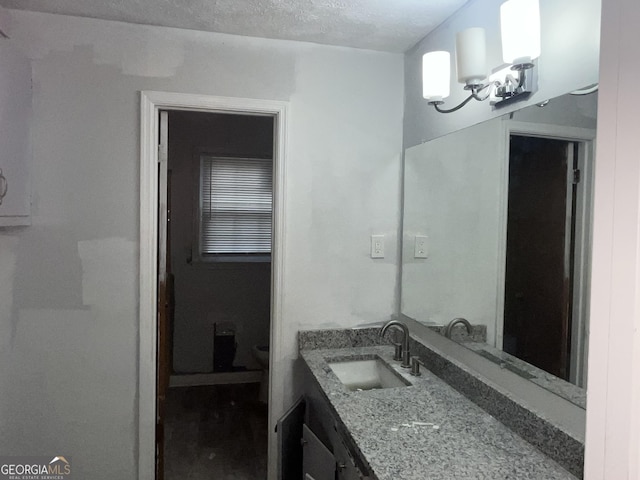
pixel 151 383
pixel 548 219
pixel 214 302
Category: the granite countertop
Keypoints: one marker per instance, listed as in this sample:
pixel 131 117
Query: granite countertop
pixel 427 430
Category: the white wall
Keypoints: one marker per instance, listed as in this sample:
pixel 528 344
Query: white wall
pixel 208 293
pixel 69 366
pixel 569 60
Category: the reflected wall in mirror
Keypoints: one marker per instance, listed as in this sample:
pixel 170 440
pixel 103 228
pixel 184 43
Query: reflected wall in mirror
pixel 505 206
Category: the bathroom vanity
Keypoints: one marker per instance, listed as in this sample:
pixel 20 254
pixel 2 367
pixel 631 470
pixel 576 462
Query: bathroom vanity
pixel 419 427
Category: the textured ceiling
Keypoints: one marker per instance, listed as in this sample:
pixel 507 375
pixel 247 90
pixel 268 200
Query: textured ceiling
pixel 388 25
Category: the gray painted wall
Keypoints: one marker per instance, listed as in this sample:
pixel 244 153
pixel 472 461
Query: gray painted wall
pixel 69 367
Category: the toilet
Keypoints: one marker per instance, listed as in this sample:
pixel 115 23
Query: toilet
pixel 261 354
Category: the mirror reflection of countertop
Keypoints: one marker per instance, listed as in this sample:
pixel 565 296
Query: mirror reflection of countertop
pixel 562 388
pixel 426 430
pixel 477 342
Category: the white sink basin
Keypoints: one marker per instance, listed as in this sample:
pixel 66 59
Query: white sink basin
pixel 367 374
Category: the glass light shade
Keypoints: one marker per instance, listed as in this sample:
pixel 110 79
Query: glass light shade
pixel 436 75
pixel 471 56
pixel 520 26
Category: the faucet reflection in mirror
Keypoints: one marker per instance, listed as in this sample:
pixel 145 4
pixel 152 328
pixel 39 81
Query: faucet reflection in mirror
pixel 520 30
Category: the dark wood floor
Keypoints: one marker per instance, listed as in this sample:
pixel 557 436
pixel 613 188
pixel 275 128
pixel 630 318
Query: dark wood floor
pixel 216 432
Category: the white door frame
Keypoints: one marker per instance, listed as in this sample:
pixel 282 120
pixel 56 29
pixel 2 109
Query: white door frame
pixel 150 104
pixel 586 137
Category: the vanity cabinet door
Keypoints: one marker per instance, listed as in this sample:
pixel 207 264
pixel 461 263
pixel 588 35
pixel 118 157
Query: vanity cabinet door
pixel 328 431
pixel 318 463
pixel 345 465
pixel 15 118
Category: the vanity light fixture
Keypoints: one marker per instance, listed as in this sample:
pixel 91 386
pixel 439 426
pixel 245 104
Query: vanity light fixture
pixel 436 76
pixel 520 30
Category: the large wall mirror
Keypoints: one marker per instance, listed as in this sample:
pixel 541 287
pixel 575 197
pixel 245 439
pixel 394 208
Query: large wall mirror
pixel 497 230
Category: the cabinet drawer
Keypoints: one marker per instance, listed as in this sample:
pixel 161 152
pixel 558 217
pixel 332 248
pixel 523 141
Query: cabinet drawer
pixel 15 119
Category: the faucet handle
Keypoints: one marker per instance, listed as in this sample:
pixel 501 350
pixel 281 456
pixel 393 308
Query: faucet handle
pixel 397 355
pixel 415 367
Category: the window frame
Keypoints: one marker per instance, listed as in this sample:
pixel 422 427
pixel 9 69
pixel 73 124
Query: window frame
pixel 220 258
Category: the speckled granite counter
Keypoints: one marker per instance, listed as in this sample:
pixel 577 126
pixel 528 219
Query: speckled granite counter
pixel 427 430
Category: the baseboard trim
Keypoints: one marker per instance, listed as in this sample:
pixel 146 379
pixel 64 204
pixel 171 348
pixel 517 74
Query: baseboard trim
pixel 219 378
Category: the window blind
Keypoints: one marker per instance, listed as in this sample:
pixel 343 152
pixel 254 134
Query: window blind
pixel 236 202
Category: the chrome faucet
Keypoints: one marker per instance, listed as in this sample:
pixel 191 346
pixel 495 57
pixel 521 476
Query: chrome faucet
pixel 405 340
pixel 453 323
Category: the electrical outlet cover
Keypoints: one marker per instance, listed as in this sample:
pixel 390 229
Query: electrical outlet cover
pixel 421 248
pixel 377 246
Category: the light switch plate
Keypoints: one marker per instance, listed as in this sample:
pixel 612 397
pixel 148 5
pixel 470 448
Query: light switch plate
pixel 377 246
pixel 421 248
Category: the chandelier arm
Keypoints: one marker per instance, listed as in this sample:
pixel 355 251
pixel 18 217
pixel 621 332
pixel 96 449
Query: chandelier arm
pixel 522 78
pixel 485 87
pixel 458 107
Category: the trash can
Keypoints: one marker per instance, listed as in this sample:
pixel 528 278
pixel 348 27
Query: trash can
pixel 224 347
